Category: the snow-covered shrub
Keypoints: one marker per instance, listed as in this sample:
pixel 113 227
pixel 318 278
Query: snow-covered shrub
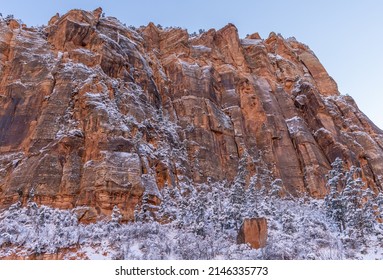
pixel 202 221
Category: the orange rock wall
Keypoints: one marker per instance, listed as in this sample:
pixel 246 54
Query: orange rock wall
pixel 94 113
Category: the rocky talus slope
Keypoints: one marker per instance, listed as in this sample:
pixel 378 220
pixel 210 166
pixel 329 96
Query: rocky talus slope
pixel 96 114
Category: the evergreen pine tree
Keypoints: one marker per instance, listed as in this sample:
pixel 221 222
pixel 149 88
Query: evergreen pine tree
pixel 369 214
pixel 116 216
pixel 237 205
pixel 351 199
pixel 251 210
pixel 143 213
pixel 333 204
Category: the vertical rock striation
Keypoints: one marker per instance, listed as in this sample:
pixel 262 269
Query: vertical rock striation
pixel 96 114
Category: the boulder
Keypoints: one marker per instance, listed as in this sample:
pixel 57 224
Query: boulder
pixel 253 231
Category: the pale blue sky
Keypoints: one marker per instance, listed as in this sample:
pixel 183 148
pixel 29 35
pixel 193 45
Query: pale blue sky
pixel 347 36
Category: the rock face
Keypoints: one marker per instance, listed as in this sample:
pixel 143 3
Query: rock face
pixel 254 232
pixel 96 114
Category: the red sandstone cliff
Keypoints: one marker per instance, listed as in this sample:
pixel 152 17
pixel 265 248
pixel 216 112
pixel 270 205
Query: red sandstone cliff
pixel 94 113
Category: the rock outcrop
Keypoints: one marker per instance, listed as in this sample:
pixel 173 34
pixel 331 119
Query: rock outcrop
pixel 96 114
pixel 253 232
